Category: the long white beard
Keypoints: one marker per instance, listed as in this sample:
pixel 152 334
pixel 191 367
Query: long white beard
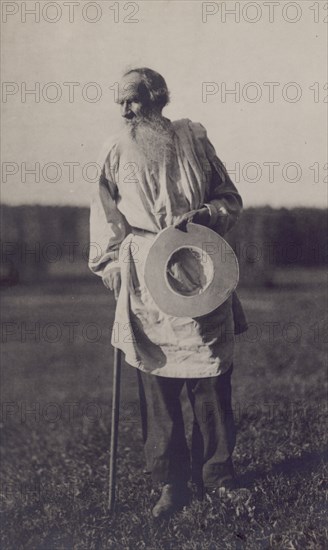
pixel 153 139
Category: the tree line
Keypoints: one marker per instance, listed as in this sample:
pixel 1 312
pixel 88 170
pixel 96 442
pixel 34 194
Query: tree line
pixel 41 242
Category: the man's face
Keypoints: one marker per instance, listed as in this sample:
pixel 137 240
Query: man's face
pixel 133 100
pixel 146 129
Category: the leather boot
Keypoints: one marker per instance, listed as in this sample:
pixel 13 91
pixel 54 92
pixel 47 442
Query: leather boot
pixel 226 479
pixel 173 498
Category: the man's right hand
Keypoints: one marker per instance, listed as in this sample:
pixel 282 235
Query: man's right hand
pixel 112 281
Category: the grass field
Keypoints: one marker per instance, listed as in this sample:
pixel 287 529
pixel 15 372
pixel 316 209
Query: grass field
pixel 56 393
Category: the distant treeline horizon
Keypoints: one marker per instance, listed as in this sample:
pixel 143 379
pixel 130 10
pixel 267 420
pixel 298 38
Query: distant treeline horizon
pixel 53 241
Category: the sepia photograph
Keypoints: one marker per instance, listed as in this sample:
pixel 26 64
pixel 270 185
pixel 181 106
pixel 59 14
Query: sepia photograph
pixel 163 275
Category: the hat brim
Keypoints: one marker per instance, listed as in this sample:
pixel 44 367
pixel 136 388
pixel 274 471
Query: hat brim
pixel 213 248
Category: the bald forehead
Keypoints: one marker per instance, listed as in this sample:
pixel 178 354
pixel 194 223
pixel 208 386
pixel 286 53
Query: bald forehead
pixel 132 87
pixel 131 79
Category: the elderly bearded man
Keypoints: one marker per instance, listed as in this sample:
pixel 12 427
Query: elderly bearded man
pixel 157 173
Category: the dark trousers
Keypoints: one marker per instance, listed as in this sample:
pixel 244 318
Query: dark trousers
pixel 213 436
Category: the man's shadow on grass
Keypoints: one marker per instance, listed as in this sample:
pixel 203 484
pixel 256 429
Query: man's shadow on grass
pixel 305 463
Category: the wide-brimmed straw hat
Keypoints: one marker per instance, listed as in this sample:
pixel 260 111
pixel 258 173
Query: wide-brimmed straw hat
pixel 191 272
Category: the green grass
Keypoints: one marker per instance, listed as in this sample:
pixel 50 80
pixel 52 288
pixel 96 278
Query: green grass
pixel 54 480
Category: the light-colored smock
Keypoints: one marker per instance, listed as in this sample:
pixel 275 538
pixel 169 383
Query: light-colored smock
pixel 128 196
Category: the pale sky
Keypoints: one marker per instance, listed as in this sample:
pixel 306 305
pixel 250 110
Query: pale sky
pixel 200 50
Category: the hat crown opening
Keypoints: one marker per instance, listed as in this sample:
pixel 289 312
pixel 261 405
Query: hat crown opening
pixel 189 271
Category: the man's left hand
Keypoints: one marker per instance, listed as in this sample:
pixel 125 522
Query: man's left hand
pixel 201 216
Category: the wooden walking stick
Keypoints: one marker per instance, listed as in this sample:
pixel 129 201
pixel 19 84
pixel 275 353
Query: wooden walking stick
pixel 114 427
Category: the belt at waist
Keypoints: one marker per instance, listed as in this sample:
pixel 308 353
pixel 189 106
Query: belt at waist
pixel 143 232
